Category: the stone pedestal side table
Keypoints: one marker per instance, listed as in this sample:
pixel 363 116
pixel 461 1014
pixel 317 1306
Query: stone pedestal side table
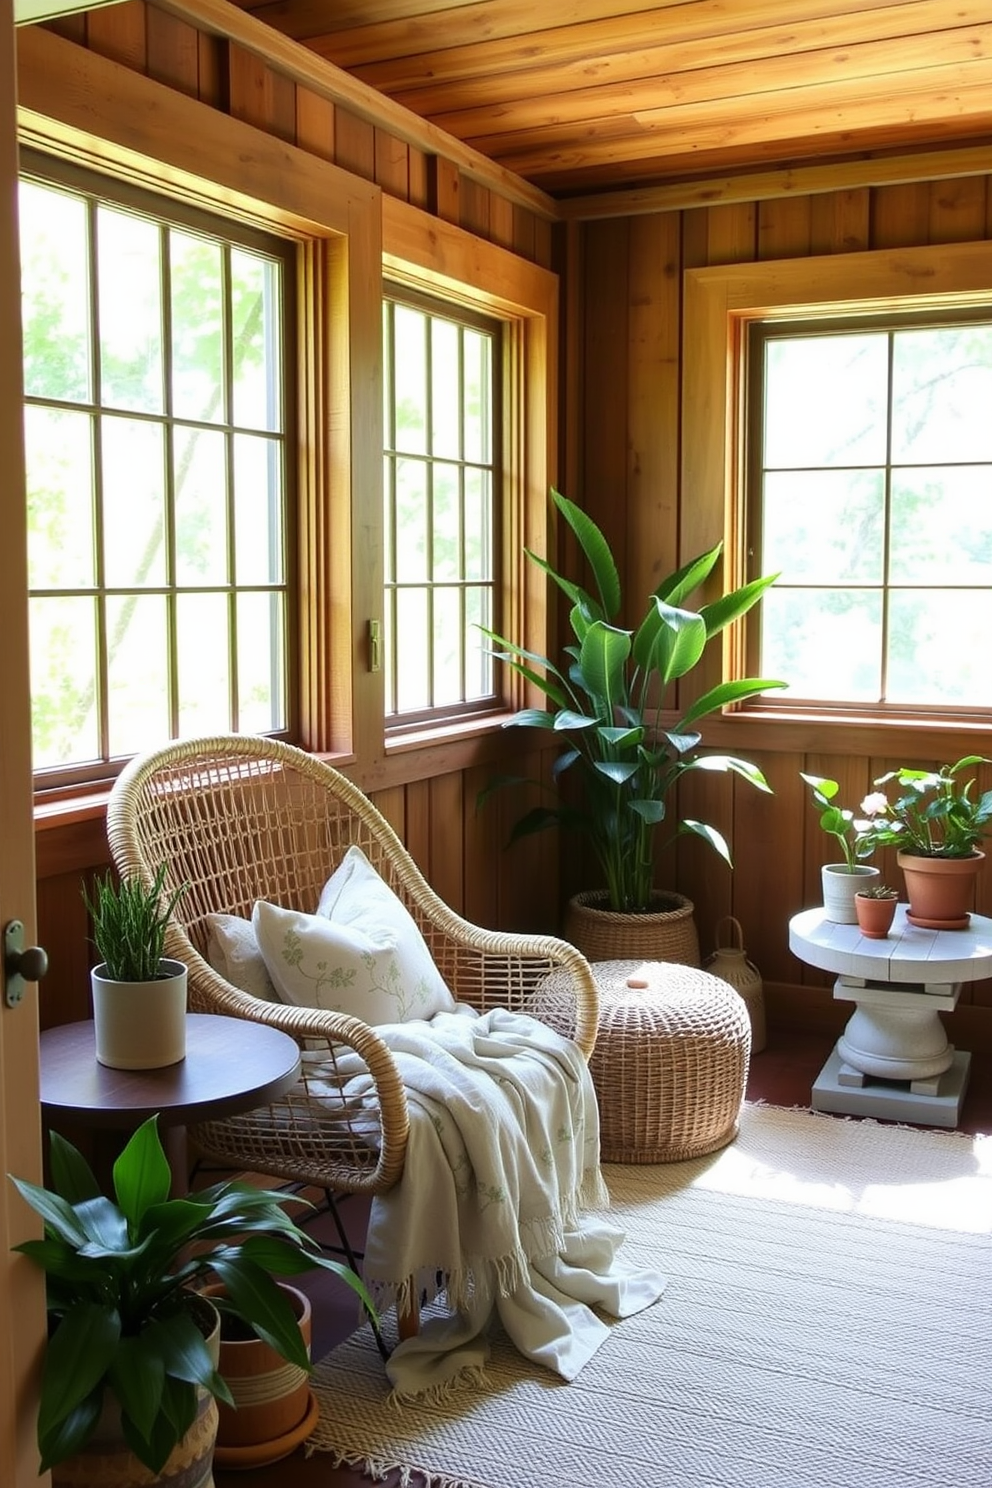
pixel 893 1059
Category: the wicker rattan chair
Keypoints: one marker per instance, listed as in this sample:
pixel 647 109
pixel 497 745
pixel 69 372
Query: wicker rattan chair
pixel 241 818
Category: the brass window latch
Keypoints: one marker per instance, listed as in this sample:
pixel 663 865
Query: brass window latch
pixel 375 646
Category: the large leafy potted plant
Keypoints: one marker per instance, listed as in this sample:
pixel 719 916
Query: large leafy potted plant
pixel 936 821
pixel 139 995
pixel 129 1381
pixel 608 700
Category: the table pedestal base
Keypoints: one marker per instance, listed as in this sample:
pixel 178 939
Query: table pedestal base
pixel 845 1091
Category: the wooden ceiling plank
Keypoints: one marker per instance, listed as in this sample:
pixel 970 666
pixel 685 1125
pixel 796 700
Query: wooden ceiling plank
pixel 807 180
pixel 672 162
pixel 937 92
pixel 302 18
pixel 746 82
pixel 484 23
pixel 510 28
pixel 577 57
pixel 713 163
pixel 295 61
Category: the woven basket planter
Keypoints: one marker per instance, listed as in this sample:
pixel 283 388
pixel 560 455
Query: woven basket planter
pixel 666 932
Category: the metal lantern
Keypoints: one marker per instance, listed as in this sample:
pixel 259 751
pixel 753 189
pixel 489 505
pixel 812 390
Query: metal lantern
pixel 729 962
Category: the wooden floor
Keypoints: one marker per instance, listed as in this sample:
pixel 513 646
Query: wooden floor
pixel 781 1075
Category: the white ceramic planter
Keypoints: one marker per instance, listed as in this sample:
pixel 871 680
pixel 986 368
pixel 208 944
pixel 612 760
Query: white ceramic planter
pixel 840 884
pixel 140 1025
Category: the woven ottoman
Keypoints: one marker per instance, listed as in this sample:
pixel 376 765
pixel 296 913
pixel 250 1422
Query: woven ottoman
pixel 671 1057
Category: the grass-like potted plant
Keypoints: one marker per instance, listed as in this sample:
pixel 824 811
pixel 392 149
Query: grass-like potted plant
pixel 936 822
pixel 841 881
pixel 608 707
pixel 130 1374
pixel 139 995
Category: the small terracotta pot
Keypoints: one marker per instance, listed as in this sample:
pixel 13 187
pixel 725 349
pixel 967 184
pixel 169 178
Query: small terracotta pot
pixel 875 916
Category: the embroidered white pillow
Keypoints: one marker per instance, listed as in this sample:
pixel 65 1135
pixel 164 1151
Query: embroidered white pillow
pixel 361 954
pixel 232 950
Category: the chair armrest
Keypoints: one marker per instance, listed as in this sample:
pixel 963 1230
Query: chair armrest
pixel 325 1037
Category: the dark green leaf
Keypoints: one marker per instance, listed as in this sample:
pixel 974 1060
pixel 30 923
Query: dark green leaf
pixel 652 812
pixel 735 766
pixel 597 552
pixel 142 1176
pixel 137 1374
pixel 77 1358
pixel 618 771
pixel 726 693
pixel 731 606
pixel 265 1307
pixel 72 1176
pixel 677 587
pixel 566 720
pixel 105 1227
pixel 59 1216
pixel 715 839
pixel 604 653
pixel 184 1353
pixel 66 1437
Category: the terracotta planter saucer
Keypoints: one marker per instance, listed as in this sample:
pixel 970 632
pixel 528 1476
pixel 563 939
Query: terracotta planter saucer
pixel 262 1453
pixel 923 923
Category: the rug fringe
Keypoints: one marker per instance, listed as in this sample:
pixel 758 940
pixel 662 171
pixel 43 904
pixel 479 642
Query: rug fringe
pixel 379 1469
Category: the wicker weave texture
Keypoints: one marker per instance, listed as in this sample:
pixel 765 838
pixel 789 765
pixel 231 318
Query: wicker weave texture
pixel 670 1063
pixel 239 818
pixel 666 932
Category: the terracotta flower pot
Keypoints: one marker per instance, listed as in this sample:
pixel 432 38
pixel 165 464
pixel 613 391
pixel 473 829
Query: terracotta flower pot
pixel 274 1407
pixel 875 916
pixel 940 891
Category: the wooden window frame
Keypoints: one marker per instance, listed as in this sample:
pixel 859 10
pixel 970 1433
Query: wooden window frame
pixel 444 262
pixel 117 122
pixel 84 107
pixel 165 214
pixel 718 305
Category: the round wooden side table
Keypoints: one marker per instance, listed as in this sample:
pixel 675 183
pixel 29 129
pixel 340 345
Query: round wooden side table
pixel 231 1065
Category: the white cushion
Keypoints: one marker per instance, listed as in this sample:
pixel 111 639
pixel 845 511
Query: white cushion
pixel 232 950
pixel 360 954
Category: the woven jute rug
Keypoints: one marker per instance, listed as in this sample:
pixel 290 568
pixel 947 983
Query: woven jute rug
pixel 827 1324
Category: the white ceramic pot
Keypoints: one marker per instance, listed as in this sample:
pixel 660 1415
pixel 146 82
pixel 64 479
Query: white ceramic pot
pixel 840 884
pixel 140 1025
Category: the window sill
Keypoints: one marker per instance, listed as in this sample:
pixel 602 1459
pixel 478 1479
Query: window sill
pixel 807 731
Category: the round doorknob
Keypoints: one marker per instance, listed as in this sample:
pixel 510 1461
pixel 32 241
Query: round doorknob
pixel 31 963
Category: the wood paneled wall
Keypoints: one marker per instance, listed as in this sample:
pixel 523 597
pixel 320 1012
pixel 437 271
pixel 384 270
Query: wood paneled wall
pixel 428 794
pixel 622 384
pixel 624 329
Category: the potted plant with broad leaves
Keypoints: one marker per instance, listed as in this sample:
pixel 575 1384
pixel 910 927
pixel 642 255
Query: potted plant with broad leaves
pixel 130 1378
pixel 875 906
pixel 841 881
pixel 608 701
pixel 936 820
pixel 139 995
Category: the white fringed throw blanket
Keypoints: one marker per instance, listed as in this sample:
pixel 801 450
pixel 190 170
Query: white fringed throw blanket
pixel 500 1202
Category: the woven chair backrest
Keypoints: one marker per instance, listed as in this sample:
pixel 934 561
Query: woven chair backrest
pixel 237 823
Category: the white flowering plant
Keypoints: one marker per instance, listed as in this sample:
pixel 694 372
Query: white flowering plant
pixel 838 821
pixel 932 815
